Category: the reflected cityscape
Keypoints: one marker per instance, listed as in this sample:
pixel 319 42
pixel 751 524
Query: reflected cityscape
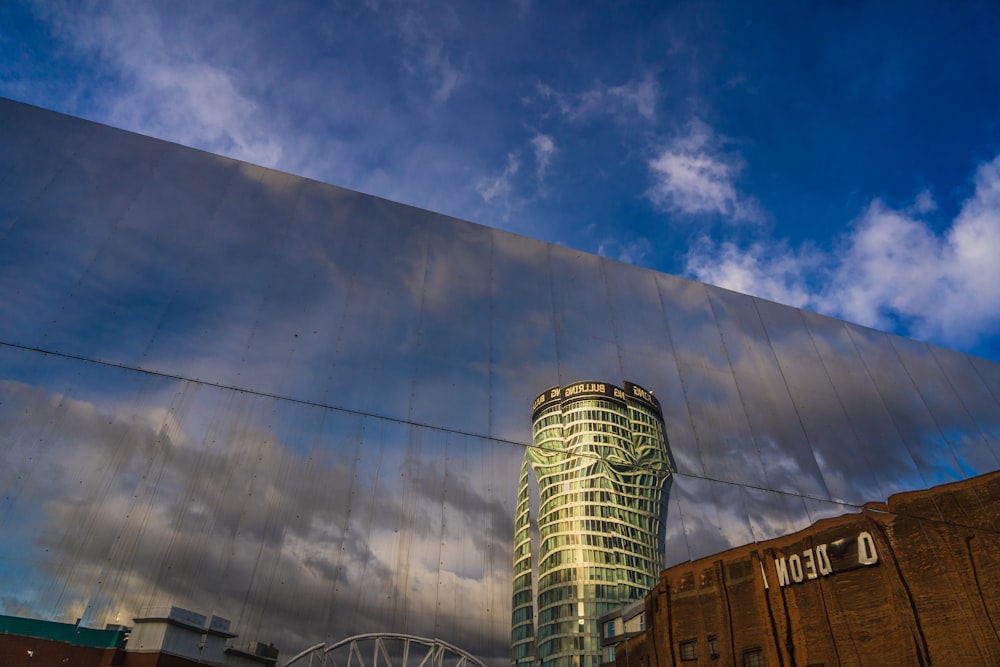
pixel 241 394
pixel 878 586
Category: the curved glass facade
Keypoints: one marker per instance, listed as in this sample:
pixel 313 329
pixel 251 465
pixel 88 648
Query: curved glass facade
pixel 601 466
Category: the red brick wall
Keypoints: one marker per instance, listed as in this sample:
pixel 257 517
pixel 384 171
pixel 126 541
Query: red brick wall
pixel 933 597
pixel 47 653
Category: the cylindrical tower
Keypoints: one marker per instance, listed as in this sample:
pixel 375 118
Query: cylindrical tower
pixel 600 458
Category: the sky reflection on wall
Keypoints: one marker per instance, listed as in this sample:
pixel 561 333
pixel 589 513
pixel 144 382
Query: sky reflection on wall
pixel 305 409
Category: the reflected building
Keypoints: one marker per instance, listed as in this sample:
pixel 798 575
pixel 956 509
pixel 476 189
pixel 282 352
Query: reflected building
pixel 911 581
pixel 600 462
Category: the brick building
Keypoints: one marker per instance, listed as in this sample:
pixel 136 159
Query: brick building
pixel 915 581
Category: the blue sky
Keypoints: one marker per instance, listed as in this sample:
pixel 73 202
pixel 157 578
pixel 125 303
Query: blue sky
pixel 842 157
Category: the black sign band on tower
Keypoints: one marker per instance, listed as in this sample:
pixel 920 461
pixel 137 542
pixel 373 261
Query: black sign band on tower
pixel 590 389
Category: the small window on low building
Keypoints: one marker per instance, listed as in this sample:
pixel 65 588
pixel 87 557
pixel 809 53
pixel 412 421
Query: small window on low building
pixel 689 649
pixel 713 647
pixel 753 658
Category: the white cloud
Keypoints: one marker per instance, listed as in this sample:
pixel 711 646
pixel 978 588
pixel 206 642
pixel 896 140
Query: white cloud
pixel 631 252
pixel 694 176
pixel 425 53
pixel 635 97
pixel 501 189
pixel 640 95
pixel 892 263
pixel 771 271
pixel 891 267
pixel 500 186
pixel 169 90
pixel 544 148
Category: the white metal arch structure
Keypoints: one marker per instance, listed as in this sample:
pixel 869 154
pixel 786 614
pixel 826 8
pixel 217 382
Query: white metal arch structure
pixel 387 649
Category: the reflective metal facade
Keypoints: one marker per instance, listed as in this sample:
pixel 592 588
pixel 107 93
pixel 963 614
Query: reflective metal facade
pixel 305 409
pixel 600 462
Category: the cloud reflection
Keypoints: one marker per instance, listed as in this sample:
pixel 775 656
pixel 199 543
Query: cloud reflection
pixel 235 390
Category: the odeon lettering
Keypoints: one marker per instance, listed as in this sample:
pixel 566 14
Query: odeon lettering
pixel 815 563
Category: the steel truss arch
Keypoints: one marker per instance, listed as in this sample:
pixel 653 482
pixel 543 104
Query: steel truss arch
pixel 385 649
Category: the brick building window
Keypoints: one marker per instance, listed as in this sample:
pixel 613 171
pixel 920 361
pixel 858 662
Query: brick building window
pixel 753 658
pixel 689 649
pixel 713 647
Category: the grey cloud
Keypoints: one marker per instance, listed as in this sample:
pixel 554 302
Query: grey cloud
pixel 637 97
pixel 459 491
pixel 234 521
